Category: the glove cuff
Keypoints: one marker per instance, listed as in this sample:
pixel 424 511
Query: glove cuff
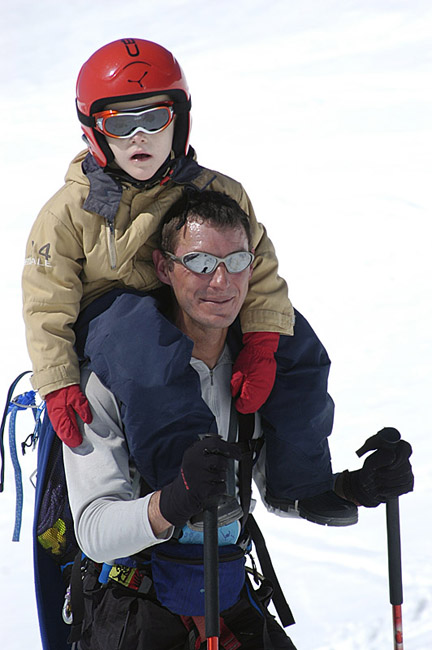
pixel 262 341
pixel 169 507
pixel 360 492
pixel 345 489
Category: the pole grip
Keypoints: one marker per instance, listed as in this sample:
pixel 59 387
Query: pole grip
pixel 211 572
pixel 394 551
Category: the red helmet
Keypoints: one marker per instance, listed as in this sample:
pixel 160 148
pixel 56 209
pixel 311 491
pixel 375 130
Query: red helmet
pixel 130 69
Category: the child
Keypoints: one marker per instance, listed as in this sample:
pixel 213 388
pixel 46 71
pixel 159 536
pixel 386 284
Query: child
pixel 99 230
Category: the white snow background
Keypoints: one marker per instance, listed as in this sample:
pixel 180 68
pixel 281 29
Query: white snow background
pixel 322 109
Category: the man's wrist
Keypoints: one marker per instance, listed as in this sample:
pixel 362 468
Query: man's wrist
pixel 158 523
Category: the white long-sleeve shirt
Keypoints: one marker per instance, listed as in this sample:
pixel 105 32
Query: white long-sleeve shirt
pixel 111 520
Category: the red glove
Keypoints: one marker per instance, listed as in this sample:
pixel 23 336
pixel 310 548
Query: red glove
pixel 254 371
pixel 61 405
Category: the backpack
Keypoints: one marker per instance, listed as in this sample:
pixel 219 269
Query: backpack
pixel 54 542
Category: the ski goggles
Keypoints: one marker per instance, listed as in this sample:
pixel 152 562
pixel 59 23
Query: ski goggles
pixel 205 263
pixel 124 124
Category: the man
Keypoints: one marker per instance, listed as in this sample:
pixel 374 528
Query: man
pixel 158 380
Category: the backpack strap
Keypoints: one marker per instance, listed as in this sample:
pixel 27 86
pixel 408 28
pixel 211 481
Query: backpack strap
pixel 280 603
pixel 246 430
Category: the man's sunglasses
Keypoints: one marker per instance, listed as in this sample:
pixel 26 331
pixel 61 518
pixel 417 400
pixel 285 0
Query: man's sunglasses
pixel 205 263
pixel 124 124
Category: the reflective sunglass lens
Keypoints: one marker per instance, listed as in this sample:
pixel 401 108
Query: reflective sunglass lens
pixel 238 262
pixel 200 262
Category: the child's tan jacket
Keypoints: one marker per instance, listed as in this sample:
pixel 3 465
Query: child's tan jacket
pixel 75 254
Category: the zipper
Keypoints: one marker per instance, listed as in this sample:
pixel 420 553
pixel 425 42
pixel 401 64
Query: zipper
pixel 111 244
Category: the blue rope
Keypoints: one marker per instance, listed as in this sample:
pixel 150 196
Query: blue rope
pixel 20 403
pixel 17 474
pixel 10 393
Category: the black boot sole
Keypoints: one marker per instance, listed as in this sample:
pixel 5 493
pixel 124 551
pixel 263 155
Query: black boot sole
pixel 327 520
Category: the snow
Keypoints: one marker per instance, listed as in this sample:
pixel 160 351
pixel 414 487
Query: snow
pixel 321 109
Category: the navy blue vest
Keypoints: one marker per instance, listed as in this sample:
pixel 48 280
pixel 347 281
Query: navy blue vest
pixel 144 360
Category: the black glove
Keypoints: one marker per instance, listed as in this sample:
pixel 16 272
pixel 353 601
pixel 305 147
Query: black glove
pixel 385 474
pixel 201 480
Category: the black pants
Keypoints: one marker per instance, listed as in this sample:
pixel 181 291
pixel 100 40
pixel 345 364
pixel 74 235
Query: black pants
pixel 120 619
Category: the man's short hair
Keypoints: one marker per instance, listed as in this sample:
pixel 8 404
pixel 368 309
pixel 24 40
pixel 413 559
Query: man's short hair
pixel 220 210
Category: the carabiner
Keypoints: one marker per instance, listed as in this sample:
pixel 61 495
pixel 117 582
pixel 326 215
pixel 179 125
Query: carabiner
pixel 67 610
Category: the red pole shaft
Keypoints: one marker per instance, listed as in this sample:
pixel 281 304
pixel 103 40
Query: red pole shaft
pixel 213 643
pixel 397 627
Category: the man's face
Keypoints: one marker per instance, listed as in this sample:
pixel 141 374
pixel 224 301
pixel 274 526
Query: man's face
pixel 211 300
pixel 142 154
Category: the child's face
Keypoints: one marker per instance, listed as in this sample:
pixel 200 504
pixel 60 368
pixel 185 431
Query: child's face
pixel 141 155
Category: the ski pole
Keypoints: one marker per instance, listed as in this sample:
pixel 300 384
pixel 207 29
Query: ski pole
pixel 386 438
pixel 211 577
pixel 392 436
pixel 395 569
